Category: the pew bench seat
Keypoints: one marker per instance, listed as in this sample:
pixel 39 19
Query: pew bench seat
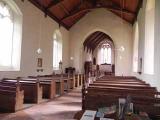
pixel 11 101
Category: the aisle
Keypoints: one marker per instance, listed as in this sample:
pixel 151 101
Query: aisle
pixel 61 108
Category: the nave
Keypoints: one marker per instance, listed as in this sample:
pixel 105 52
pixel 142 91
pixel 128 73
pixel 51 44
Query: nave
pixel 60 59
pixel 61 108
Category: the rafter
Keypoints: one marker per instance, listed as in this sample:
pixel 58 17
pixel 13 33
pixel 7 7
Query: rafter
pixel 95 39
pixel 137 10
pixel 78 19
pixel 79 10
pixel 53 3
pixel 37 4
pixel 89 9
pixel 64 8
pixel 76 7
pixel 91 44
pixel 91 37
pixel 98 40
pixel 75 13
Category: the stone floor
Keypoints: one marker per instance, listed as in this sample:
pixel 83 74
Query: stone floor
pixel 61 108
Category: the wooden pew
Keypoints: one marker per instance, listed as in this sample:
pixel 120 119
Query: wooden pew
pixel 114 90
pixel 141 103
pixel 117 77
pixel 120 80
pixel 59 82
pixel 67 82
pixel 81 79
pixel 127 83
pixel 11 98
pixel 107 98
pixel 48 87
pixel 59 86
pixel 76 80
pixel 123 85
pixel 49 90
pixel 109 89
pixel 72 82
pixel 32 89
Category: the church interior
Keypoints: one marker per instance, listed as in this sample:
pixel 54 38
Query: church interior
pixel 79 60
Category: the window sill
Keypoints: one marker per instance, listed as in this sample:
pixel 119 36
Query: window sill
pixel 56 69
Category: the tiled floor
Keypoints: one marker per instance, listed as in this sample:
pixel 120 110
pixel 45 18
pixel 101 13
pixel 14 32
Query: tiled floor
pixel 61 108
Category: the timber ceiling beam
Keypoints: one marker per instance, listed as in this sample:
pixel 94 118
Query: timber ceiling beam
pixel 77 20
pixel 100 40
pixel 77 12
pixel 97 42
pixel 96 38
pixel 92 8
pixel 76 7
pixel 92 44
pixel 64 8
pixel 90 38
pixel 137 10
pixel 53 3
pixel 37 4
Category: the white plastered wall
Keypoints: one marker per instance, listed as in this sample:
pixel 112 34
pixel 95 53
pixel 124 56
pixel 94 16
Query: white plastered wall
pixel 32 19
pixel 154 79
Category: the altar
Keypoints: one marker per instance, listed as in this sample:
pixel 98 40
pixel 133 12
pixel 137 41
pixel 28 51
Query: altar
pixel 105 68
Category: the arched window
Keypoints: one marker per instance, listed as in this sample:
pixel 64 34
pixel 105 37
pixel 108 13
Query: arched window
pixel 149 37
pixel 57 50
pixel 106 54
pixel 10 36
pixel 135 47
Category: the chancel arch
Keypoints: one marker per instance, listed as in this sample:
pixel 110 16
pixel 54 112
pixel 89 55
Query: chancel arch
pixel 100 52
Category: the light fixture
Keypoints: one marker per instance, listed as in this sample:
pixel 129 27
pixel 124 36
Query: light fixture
pixel 122 48
pixel 71 58
pixel 39 50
